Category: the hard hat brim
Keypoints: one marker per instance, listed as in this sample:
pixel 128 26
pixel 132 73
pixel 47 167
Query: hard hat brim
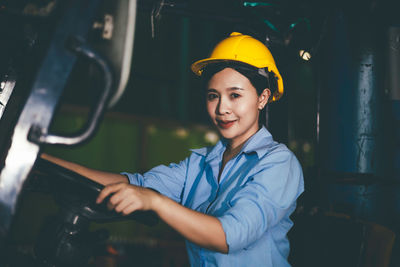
pixel 198 67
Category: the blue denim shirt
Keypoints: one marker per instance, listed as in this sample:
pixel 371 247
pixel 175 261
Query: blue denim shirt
pixel 253 200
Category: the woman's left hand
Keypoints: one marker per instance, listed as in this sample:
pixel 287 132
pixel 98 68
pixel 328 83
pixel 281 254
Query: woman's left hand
pixel 126 198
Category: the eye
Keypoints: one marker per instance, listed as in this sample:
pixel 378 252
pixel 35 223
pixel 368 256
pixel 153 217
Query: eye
pixel 211 96
pixel 234 95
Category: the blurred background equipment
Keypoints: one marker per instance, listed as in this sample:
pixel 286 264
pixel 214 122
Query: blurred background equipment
pixel 41 48
pixel 340 113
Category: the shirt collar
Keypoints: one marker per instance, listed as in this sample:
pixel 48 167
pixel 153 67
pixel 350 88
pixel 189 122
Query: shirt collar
pixel 259 143
pixel 212 151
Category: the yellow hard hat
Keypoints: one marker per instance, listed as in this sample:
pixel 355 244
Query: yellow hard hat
pixel 245 49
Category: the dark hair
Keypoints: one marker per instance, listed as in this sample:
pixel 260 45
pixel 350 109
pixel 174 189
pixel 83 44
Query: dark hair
pixel 259 81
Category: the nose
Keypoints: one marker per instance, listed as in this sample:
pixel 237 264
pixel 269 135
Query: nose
pixel 223 106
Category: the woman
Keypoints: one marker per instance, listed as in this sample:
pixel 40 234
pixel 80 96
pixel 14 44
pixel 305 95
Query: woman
pixel 231 202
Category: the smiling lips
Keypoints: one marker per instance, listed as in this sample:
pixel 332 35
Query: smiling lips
pixel 225 124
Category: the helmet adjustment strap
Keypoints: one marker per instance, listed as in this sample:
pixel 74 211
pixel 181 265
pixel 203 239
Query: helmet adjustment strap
pixel 262 72
pixel 265 74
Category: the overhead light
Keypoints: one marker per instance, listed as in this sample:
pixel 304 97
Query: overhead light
pixel 305 55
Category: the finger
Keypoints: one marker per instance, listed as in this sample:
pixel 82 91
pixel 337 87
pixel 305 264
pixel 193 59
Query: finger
pixel 120 199
pixel 110 206
pixel 109 189
pixel 130 208
pixel 117 197
pixel 122 205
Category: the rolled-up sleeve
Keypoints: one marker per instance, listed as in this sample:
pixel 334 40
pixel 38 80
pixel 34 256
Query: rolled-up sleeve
pixel 167 180
pixel 264 200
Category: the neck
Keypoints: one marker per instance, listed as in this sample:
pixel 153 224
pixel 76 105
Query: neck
pixel 234 145
pixel 233 148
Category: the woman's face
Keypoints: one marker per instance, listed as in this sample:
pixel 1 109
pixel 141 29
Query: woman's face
pixel 234 105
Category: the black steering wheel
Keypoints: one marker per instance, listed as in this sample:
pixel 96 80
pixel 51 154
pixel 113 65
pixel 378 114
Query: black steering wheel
pixel 78 194
pixel 65 240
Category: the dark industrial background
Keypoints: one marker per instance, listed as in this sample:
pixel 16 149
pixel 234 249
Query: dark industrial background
pixel 340 115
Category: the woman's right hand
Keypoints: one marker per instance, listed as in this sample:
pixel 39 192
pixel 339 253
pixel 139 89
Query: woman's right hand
pixel 126 198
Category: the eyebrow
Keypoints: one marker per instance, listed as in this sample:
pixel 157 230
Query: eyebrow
pixel 235 88
pixel 230 88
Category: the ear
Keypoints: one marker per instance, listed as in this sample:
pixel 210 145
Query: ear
pixel 263 98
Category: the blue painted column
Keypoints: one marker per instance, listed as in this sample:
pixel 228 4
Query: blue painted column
pixel 351 89
pixel 350 130
pixel 394 91
pixel 393 155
